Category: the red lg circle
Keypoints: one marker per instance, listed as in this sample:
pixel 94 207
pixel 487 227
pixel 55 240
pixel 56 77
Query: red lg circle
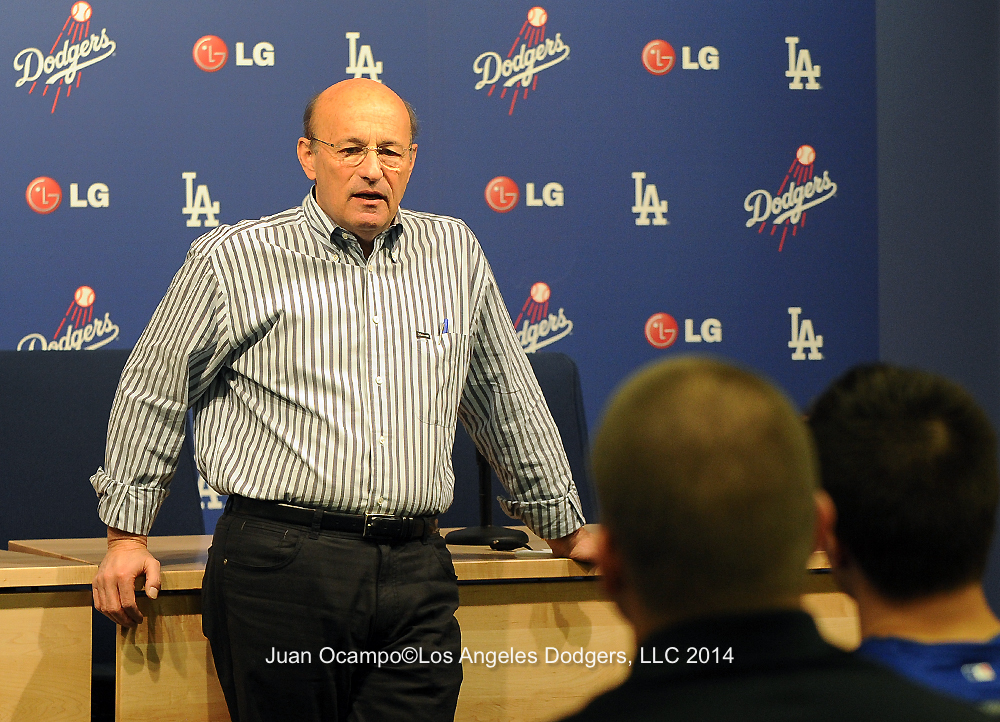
pixel 658 57
pixel 661 330
pixel 210 53
pixel 43 195
pixel 502 194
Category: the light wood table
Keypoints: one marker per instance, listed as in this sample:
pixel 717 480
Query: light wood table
pixel 524 601
pixel 45 638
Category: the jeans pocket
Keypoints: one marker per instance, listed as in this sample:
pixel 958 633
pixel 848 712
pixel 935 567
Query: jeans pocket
pixel 443 556
pixel 261 545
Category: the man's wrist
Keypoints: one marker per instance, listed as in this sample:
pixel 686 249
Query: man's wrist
pixel 119 538
pixel 567 537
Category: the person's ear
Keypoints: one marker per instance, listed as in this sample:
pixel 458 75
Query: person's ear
pixel 610 563
pixel 307 158
pixel 826 523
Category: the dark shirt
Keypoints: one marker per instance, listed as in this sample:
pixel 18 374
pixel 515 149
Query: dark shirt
pixel 769 666
pixel 966 670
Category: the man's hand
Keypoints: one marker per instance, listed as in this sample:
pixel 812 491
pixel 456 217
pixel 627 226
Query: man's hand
pixel 580 546
pixel 114 585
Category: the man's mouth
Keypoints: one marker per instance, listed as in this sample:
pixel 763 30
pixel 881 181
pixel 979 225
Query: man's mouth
pixel 369 196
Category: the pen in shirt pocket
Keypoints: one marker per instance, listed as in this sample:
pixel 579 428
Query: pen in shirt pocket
pixel 444 328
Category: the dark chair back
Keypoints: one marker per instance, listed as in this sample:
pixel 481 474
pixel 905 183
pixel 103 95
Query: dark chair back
pixel 559 379
pixel 54 409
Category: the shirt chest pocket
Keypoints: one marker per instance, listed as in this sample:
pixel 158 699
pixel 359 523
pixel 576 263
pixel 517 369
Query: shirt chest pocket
pixel 442 365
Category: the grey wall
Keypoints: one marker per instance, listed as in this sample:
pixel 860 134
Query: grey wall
pixel 939 217
pixel 939 207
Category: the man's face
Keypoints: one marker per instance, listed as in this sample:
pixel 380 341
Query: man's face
pixel 363 199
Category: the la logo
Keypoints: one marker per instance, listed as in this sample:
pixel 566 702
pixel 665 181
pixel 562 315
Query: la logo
pixel 804 337
pixel 362 63
pixel 199 203
pixel 801 66
pixel 648 201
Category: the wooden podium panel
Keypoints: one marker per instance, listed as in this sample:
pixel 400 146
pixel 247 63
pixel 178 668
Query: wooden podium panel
pixel 510 602
pixel 552 619
pixel 165 670
pixel 45 639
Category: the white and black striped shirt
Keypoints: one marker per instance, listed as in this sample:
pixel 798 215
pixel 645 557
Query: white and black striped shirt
pixel 325 380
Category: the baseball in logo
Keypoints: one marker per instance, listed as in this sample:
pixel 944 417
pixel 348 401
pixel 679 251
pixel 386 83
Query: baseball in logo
pixel 801 190
pixel 81 12
pixel 210 53
pixel 535 326
pixel 502 194
pixel 63 66
pixel 661 330
pixel 80 329
pixel 43 195
pixel 658 57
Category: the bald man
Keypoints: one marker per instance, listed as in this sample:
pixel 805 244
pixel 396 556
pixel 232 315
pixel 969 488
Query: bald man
pixel 327 352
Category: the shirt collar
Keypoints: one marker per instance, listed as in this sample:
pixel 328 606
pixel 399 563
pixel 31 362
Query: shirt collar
pixel 332 234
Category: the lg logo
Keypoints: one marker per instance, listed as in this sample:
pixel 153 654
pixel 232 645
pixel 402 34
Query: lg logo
pixel 502 194
pixel 44 195
pixel 210 53
pixel 662 331
pixel 659 58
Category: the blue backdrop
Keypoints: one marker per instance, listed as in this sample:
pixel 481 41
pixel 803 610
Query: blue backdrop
pixel 619 184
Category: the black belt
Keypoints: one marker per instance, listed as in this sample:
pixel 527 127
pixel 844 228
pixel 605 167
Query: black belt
pixel 380 527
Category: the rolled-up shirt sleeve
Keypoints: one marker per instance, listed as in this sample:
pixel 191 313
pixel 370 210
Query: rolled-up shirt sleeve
pixel 506 415
pixel 173 362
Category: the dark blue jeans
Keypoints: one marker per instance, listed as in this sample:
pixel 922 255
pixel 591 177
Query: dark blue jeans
pixel 327 626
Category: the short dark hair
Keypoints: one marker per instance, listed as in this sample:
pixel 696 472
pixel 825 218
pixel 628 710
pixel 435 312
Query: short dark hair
pixel 311 106
pixel 909 459
pixel 706 475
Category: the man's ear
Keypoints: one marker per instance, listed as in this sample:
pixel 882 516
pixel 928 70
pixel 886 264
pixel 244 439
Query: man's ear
pixel 826 523
pixel 609 562
pixel 306 158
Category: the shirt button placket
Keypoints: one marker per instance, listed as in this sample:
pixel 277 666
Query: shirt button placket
pixel 377 355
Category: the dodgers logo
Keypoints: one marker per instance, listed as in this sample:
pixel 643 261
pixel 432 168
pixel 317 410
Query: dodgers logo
pixel 800 190
pixel 530 54
pixel 540 328
pixel 82 329
pixel 62 68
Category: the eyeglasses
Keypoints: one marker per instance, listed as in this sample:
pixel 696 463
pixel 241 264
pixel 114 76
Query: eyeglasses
pixel 390 157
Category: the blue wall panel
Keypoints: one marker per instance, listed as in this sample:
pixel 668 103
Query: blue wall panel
pixel 706 134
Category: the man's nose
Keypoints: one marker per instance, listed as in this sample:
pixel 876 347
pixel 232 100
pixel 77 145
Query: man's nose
pixel 370 167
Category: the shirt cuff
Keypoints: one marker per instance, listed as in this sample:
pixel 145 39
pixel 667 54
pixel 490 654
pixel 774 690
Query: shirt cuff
pixel 128 507
pixel 548 518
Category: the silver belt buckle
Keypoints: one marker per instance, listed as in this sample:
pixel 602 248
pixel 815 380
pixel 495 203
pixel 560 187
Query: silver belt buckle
pixel 371 520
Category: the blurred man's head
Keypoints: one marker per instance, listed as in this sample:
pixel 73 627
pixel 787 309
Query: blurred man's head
pixel 909 459
pixel 706 476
